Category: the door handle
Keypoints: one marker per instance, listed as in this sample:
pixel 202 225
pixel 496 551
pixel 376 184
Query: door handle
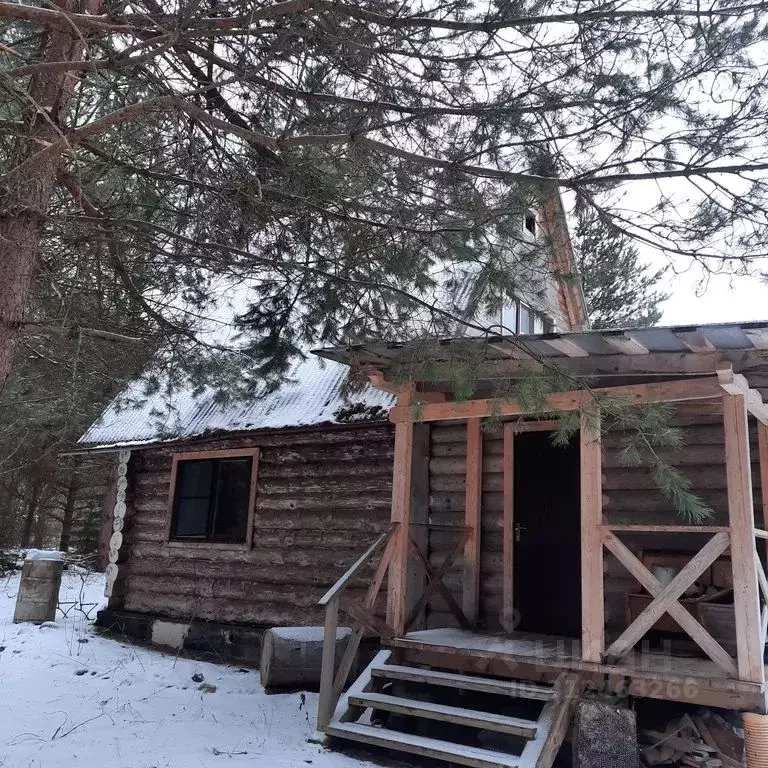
pixel 519 528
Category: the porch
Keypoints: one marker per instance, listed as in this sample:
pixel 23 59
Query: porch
pixel 455 599
pixel 647 673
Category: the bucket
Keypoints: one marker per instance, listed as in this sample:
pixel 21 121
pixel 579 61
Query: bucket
pixel 756 739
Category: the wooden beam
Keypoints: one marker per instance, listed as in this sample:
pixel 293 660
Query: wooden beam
pixel 631 528
pixel 632 394
pixel 327 702
pixel 567 347
pixel 736 384
pixel 419 518
pixel 592 603
pixel 472 515
pixel 508 525
pixel 626 345
pixel 762 447
pixel 696 341
pixel 703 639
pixel 741 517
pixel 669 596
pixel 379 381
pixel 397 586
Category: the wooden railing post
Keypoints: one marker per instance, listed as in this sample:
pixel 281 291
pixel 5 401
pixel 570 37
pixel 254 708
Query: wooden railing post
pixel 592 606
pixel 472 518
pixel 327 701
pixel 397 583
pixel 762 444
pixel 746 601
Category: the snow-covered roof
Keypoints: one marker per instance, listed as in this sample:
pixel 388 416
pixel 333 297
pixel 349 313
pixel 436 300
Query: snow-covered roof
pixel 311 395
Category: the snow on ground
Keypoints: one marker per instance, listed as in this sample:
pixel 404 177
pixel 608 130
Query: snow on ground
pixel 72 699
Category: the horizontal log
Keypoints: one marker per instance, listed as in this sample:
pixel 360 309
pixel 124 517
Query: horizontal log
pixel 641 478
pixel 280 613
pixel 492 503
pixel 688 456
pixel 492 482
pixel 449 466
pixel 235 589
pixel 317 436
pixel 322 576
pixel 442 450
pixel 646 501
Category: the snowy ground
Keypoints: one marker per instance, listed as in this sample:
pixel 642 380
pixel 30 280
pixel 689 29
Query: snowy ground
pixel 70 699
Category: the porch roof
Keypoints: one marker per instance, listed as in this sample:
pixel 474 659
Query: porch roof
pixel 611 356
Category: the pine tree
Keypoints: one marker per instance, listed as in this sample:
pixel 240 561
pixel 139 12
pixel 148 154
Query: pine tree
pixel 620 290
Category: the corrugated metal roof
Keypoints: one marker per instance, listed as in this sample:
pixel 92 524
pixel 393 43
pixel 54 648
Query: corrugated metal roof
pixel 723 337
pixel 312 395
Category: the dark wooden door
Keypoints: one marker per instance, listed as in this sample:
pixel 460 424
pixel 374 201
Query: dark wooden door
pixel 547 564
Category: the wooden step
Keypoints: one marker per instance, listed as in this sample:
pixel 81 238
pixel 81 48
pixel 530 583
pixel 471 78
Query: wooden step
pixel 421 745
pixel 470 717
pixel 515 688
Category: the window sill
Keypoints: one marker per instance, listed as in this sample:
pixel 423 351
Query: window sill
pixel 225 545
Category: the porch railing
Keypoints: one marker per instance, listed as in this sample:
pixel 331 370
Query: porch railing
pixel 332 681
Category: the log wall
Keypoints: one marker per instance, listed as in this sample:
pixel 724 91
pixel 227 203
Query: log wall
pixel 323 497
pixel 630 495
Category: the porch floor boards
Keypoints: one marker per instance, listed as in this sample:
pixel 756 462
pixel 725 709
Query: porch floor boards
pixel 650 674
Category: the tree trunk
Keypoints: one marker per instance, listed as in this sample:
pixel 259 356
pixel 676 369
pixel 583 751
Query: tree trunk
pixel 29 519
pixel 31 178
pixel 69 513
pixel 41 525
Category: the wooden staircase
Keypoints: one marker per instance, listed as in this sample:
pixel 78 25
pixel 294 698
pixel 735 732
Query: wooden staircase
pixel 463 719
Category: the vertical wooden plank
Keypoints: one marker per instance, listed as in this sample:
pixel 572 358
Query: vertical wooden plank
pixel 508 525
pixel 252 498
pixel 326 703
pixel 741 518
pixel 416 580
pixel 472 506
pixel 592 605
pixel 762 444
pixel 397 584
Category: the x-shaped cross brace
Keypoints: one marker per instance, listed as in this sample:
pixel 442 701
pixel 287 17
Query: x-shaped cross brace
pixel 665 600
pixel 435 581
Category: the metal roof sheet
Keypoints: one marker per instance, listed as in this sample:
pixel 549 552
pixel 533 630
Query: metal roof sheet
pixel 311 395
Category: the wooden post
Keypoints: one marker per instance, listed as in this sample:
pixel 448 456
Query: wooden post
pixel 327 702
pixel 741 518
pixel 397 585
pixel 762 443
pixel 420 515
pixel 472 520
pixel 592 606
pixel 508 546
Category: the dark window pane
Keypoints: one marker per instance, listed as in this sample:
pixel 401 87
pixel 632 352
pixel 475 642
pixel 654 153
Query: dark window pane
pixel 194 479
pixel 192 517
pixel 232 496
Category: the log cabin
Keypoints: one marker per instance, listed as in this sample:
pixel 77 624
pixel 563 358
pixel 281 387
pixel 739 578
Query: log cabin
pixel 224 521
pixel 516 574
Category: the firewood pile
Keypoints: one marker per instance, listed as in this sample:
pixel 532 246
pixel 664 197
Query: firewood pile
pixel 705 740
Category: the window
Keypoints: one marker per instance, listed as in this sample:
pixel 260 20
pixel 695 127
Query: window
pixel 530 222
pixel 525 323
pixel 517 317
pixel 213 495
